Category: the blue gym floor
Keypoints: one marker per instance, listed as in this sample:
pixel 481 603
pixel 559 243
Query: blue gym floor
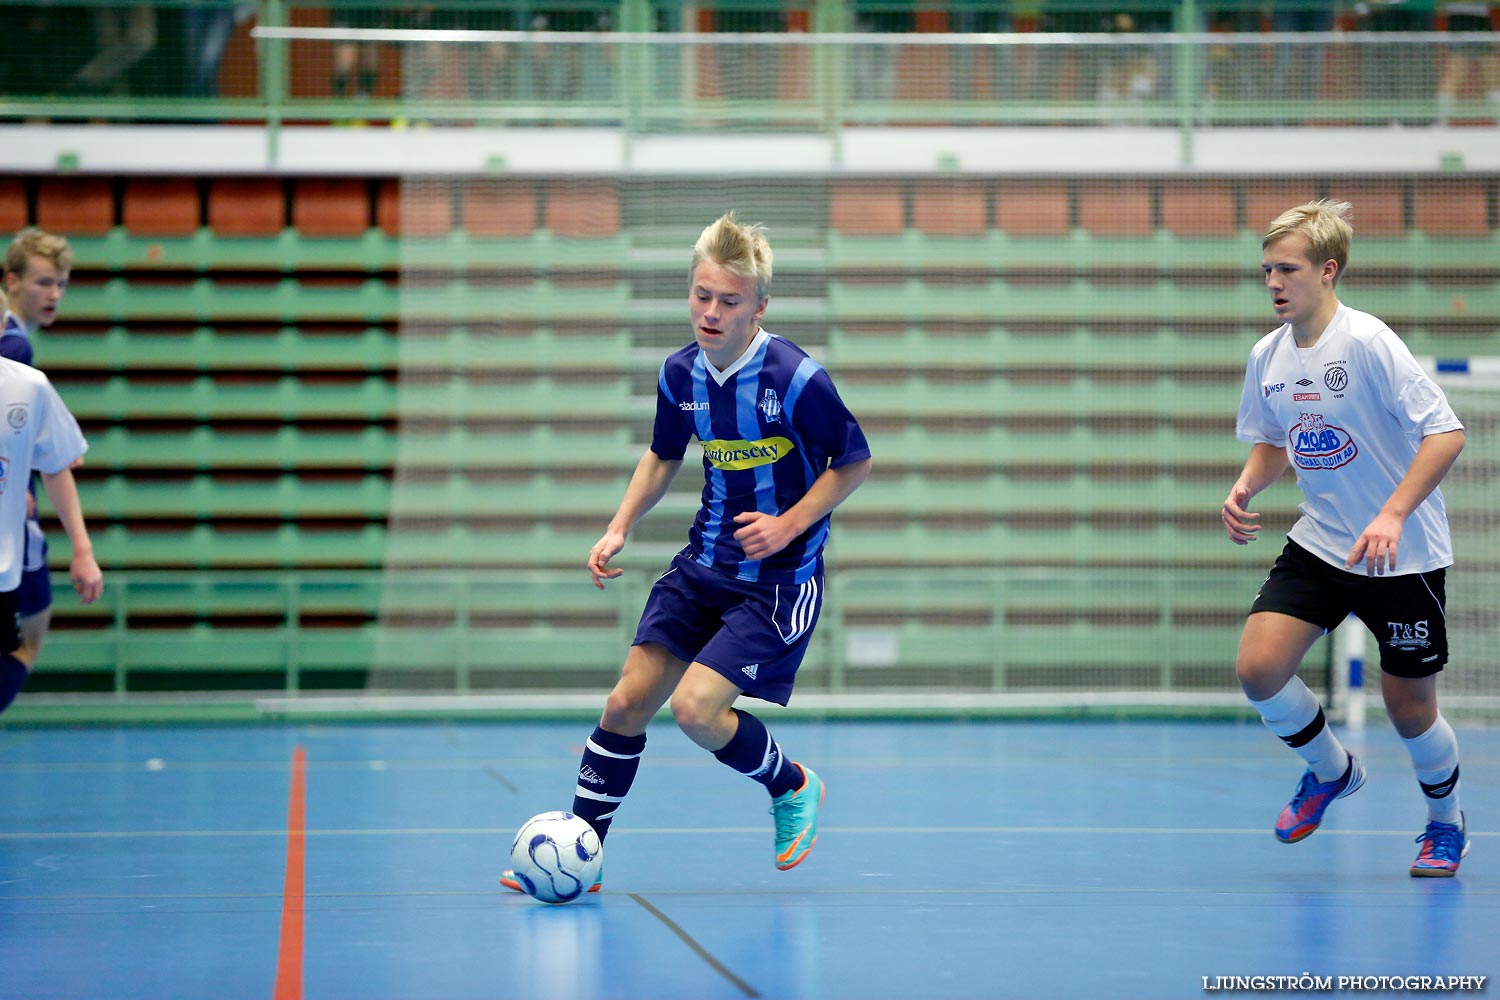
pixel 957 859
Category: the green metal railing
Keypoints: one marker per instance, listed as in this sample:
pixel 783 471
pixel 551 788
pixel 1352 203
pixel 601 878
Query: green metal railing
pixel 642 80
pixel 934 631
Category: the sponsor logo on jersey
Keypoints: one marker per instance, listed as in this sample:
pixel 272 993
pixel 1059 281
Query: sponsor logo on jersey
pixel 732 455
pixel 1304 382
pixel 692 406
pixel 4 474
pixel 1276 387
pixel 1303 397
pixel 1319 445
pixel 16 416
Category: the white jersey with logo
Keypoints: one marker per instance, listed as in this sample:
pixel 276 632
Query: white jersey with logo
pixel 1351 412
pixel 38 433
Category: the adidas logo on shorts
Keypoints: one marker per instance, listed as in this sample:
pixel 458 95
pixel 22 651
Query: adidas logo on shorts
pixel 750 670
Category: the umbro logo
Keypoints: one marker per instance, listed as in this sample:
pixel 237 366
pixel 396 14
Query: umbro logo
pixel 1304 383
pixel 750 670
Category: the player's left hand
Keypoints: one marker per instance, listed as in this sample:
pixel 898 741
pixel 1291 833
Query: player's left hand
pixel 87 577
pixel 1376 546
pixel 763 535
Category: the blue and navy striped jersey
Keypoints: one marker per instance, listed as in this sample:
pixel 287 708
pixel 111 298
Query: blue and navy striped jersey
pixel 14 343
pixel 771 427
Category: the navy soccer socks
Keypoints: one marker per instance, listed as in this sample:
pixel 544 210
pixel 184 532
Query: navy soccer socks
pixel 752 752
pixel 605 775
pixel 13 674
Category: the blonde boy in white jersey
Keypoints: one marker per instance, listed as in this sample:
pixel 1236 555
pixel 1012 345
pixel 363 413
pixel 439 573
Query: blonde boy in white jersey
pixel 1334 392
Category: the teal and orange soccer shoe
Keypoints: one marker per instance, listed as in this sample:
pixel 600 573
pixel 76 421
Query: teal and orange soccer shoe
pixel 508 879
pixel 1303 814
pixel 796 815
pixel 1443 847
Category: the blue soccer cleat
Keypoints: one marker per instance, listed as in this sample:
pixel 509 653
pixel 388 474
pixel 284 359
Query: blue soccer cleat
pixel 1443 847
pixel 1303 814
pixel 796 815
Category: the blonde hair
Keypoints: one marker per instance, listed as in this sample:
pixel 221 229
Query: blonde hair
pixel 738 248
pixel 34 242
pixel 1325 223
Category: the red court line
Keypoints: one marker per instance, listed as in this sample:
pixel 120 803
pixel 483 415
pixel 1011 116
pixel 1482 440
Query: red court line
pixel 289 955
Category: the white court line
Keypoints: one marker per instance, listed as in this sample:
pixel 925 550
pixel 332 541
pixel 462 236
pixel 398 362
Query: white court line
pixel 710 831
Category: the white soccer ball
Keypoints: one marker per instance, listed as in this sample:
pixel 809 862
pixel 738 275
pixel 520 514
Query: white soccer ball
pixel 556 856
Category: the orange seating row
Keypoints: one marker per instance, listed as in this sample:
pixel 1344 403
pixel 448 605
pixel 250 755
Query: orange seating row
pixel 317 207
pixel 1139 207
pixel 499 207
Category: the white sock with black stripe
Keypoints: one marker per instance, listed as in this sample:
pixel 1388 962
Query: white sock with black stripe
pixel 1434 756
pixel 1293 713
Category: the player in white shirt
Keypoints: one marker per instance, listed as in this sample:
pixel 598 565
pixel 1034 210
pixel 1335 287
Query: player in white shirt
pixel 38 433
pixel 1337 395
pixel 38 265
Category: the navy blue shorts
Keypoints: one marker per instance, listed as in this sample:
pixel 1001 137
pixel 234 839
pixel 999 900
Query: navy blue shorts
pixel 755 634
pixel 1405 613
pixel 34 595
pixel 10 630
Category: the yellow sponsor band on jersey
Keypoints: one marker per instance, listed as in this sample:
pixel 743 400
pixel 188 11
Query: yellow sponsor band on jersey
pixel 732 455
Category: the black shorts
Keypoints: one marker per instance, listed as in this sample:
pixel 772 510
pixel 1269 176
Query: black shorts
pixel 10 628
pixel 1404 612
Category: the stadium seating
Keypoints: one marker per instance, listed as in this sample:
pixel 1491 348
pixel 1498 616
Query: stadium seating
pixel 1452 207
pixel 414 211
pixel 493 207
pixel 13 211
pixel 161 206
pixel 282 378
pixel 375 448
pixel 1198 208
pixel 82 205
pixel 867 208
pixel 1038 631
pixel 1033 208
pixel 1115 208
pixel 1379 206
pixel 247 206
pixel 331 207
pixel 950 208
pixel 126 349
